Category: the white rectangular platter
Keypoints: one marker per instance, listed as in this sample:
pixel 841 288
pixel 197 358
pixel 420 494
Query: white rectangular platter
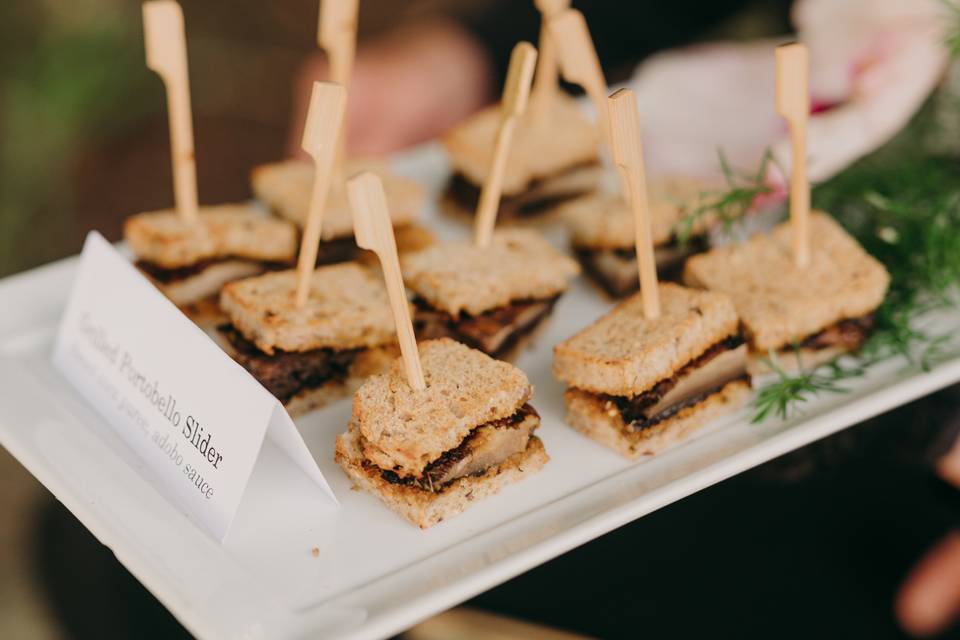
pixel 374 575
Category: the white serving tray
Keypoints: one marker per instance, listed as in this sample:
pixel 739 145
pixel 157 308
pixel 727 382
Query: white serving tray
pixel 375 575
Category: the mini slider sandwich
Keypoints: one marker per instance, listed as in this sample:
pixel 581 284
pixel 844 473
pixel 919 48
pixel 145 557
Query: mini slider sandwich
pixel 638 385
pixel 285 188
pixel 491 298
pixel 663 363
pixel 311 335
pixel 190 261
pixel 312 355
pixel 446 425
pixel 190 252
pixel 428 454
pixel 601 232
pixel 812 314
pixel 807 289
pixel 493 292
pixel 555 159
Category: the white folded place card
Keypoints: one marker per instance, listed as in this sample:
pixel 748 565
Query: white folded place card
pixel 192 414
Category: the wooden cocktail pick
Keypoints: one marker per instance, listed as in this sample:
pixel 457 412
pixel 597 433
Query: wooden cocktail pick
pixel 793 103
pixel 337 36
pixel 547 79
pixel 580 65
pixel 628 154
pixel 578 60
pixel 167 55
pixel 516 92
pixel 324 122
pixel 374 231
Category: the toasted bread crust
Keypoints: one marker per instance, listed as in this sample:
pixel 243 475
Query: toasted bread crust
pixel 780 303
pixel 423 508
pixel 538 152
pixel 223 231
pixel 347 308
pixel 623 353
pixel 589 414
pixel 405 430
pixel 285 187
pixel 605 221
pixel 519 264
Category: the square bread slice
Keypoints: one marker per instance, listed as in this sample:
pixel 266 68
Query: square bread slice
pixel 624 353
pixel 405 430
pixel 423 508
pixel 519 264
pixel 285 188
pixel 347 308
pixel 223 231
pixel 779 303
pixel 605 221
pixel 600 420
pixel 559 140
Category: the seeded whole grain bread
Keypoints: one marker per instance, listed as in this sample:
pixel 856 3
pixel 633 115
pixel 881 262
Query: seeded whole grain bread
pixel 404 430
pixel 560 140
pixel 347 308
pixel 285 187
pixel 519 264
pixel 423 508
pixel 600 420
pixel 780 303
pixel 223 231
pixel 605 221
pixel 624 353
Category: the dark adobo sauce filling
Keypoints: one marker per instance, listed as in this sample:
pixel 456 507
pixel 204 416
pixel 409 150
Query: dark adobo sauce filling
pixel 166 275
pixel 466 194
pixel 477 331
pixel 284 374
pixel 438 468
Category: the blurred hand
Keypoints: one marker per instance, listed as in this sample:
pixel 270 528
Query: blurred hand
pixel 406 88
pixel 929 600
pixel 873 64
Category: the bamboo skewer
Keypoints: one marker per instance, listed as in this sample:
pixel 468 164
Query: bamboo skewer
pixel 628 154
pixel 516 93
pixel 793 103
pixel 374 231
pixel 166 49
pixel 547 78
pixel 337 36
pixel 579 64
pixel 324 123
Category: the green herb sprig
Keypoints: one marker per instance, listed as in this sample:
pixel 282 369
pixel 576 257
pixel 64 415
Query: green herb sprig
pixel 727 206
pixel 953 35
